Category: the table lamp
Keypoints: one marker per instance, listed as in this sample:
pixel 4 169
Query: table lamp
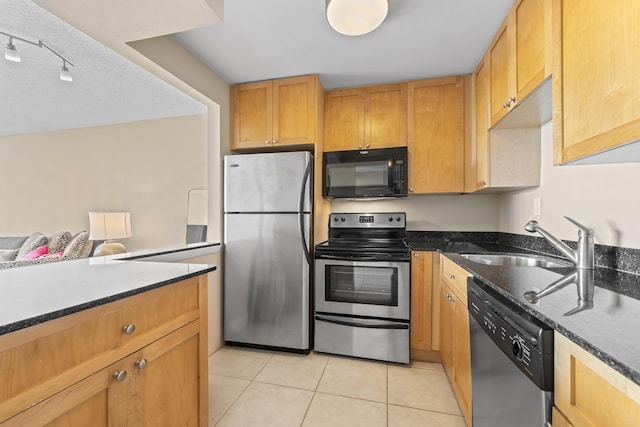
pixel 109 226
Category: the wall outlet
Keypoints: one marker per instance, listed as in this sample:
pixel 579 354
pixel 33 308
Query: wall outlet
pixel 537 210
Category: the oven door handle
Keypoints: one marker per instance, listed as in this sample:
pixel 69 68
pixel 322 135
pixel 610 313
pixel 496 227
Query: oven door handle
pixel 362 325
pixel 349 258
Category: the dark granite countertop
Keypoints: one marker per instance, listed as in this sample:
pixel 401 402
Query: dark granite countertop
pixel 608 330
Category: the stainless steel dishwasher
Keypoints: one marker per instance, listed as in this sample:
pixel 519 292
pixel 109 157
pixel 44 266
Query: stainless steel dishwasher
pixel 511 362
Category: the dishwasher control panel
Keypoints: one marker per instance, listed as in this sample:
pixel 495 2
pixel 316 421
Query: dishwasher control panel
pixel 527 342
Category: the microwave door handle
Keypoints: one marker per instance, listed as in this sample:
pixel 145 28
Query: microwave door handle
pixel 362 325
pixel 303 239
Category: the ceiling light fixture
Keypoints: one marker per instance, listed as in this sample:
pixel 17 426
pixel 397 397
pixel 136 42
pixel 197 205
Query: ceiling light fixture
pixel 356 17
pixel 11 54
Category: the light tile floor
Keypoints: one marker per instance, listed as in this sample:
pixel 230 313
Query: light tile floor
pixel 263 389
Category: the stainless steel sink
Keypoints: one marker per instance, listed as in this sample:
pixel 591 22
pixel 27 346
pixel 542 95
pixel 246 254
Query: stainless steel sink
pixel 517 260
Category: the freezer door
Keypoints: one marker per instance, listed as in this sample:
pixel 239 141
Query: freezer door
pixel 266 287
pixel 268 182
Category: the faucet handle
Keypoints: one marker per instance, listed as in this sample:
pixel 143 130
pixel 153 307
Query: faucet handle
pixel 584 231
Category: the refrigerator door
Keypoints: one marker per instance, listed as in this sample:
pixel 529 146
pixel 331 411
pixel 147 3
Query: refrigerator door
pixel 266 287
pixel 268 182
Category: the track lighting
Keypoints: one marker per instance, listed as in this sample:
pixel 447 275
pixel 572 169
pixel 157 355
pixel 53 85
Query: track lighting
pixel 12 54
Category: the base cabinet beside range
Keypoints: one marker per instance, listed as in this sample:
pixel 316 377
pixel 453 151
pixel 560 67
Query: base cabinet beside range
pixel 588 393
pixel 454 332
pixel 137 361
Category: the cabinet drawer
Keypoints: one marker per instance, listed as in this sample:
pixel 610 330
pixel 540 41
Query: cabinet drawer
pixel 43 359
pixel 455 276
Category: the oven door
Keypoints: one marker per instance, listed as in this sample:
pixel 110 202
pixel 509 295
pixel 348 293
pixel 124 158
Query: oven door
pixel 363 288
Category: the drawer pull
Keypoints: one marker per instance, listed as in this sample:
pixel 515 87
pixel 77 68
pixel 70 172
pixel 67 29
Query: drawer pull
pixel 451 277
pixel 129 329
pixel 141 364
pixel 120 376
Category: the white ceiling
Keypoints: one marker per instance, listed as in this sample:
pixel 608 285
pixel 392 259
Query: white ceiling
pixel 261 39
pixel 107 88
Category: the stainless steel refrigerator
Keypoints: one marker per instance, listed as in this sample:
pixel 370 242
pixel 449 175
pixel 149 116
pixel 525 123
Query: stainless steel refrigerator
pixel 267 215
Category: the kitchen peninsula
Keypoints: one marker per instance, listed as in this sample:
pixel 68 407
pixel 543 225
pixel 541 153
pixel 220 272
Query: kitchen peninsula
pixel 99 340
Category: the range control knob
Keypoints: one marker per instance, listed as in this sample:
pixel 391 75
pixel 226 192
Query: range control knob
pixel 516 349
pixel 390 218
pixel 343 219
pixel 335 219
pixel 398 218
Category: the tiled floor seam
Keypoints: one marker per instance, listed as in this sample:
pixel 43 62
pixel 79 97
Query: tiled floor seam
pixel 233 403
pixel 425 410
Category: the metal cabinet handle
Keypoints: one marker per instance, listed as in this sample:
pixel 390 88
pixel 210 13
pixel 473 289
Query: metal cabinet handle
pixel 510 101
pixel 451 277
pixel 129 329
pixel 266 142
pixel 359 146
pixel 119 376
pixel 417 255
pixel 411 189
pixel 367 145
pixel 141 364
pixel 483 183
pixel 275 140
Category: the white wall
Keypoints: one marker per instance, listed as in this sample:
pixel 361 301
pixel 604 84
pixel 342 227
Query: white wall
pixel 51 180
pixel 603 197
pixel 467 212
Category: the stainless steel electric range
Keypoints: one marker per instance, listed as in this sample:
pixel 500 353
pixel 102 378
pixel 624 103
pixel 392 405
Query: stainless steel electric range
pixel 362 287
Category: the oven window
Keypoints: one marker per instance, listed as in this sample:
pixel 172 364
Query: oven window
pixel 362 285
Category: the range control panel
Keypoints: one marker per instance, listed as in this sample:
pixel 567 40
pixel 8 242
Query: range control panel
pixel 368 220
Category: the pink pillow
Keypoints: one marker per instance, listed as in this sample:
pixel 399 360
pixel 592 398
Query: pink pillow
pixel 37 252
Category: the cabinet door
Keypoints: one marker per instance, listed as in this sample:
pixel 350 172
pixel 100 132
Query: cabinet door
pixel 530 61
pixel 98 400
pixel 462 359
pixel 436 135
pixel 596 99
pixel 294 111
pixel 386 116
pixel 501 72
pixel 421 280
pixel 590 393
pixel 343 120
pixel 252 115
pixel 170 381
pixel 483 159
pixel 447 317
pixel 558 419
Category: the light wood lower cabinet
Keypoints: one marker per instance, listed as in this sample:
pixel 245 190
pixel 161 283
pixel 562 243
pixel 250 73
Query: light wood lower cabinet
pixel 588 392
pixel 71 372
pixel 558 419
pixel 454 332
pixel 421 303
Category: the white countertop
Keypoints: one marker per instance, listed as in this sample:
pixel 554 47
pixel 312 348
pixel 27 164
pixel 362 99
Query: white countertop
pixel 35 294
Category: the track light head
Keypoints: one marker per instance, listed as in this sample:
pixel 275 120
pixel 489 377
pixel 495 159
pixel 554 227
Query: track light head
pixel 11 53
pixel 65 75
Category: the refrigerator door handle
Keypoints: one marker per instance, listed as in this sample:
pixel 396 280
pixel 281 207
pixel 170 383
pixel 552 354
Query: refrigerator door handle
pixel 362 325
pixel 305 179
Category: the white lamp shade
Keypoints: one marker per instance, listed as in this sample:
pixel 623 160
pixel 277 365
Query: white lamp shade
pixel 109 225
pixel 356 17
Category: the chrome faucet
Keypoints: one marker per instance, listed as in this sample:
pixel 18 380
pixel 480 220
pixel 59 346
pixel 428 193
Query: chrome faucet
pixel 583 257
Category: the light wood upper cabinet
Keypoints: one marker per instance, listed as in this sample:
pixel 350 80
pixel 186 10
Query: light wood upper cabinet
pixel 482 124
pixel 274 113
pixel 595 85
pixel 588 392
pixel 366 118
pixel 421 302
pixel 435 124
pixel 520 55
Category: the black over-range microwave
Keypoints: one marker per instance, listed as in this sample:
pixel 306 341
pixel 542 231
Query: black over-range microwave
pixel 365 173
